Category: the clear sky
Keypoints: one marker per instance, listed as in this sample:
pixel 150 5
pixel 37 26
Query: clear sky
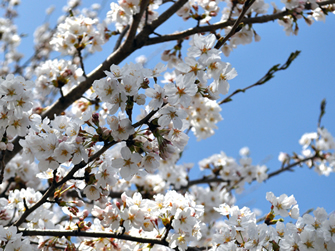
pixel 268 119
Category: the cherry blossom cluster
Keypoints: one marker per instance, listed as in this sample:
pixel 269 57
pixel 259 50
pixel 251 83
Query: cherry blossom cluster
pixel 22 170
pixel 316 13
pixel 122 83
pixel 56 74
pixel 245 36
pixel 45 32
pixel 9 39
pixel 16 103
pixel 11 240
pixel 78 32
pixel 176 219
pixel 17 202
pixel 55 142
pixel 240 228
pixel 203 63
pixel 234 173
pixel 104 170
pixel 177 214
pixel 323 144
pixel 122 13
pixel 203 115
pixel 247 33
pixel 319 148
pixel 191 9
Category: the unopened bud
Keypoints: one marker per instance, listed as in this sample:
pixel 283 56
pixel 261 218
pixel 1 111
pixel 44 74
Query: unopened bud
pixel 165 56
pixel 95 118
pixel 118 205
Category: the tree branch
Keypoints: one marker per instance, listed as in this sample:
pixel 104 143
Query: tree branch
pixel 116 57
pixel 269 75
pixel 97 234
pixel 60 233
pixel 207 180
pixel 289 167
pixel 119 40
pixel 221 25
pixel 136 22
pixel 81 63
pixel 54 185
pixel 168 13
pixel 70 174
pixel 234 29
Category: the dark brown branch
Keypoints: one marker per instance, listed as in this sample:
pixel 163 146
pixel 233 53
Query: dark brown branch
pixel 59 233
pixel 222 25
pixel 168 13
pixel 206 180
pixel 234 29
pixel 119 40
pixel 2 165
pixel 145 119
pixel 269 75
pixel 289 167
pixel 81 62
pixel 136 22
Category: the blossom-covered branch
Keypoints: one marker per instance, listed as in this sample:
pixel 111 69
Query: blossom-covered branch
pixel 224 24
pixel 97 156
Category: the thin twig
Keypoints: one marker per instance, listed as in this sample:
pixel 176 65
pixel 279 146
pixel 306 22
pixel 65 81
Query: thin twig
pixel 97 234
pixel 81 62
pixel 119 40
pixel 207 180
pixel 234 29
pixel 2 165
pixel 269 75
pixel 322 111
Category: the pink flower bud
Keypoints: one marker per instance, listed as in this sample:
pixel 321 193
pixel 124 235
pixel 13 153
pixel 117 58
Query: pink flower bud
pixel 124 197
pixel 165 56
pixel 118 205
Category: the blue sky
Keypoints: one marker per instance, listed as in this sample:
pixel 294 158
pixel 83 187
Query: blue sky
pixel 268 119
